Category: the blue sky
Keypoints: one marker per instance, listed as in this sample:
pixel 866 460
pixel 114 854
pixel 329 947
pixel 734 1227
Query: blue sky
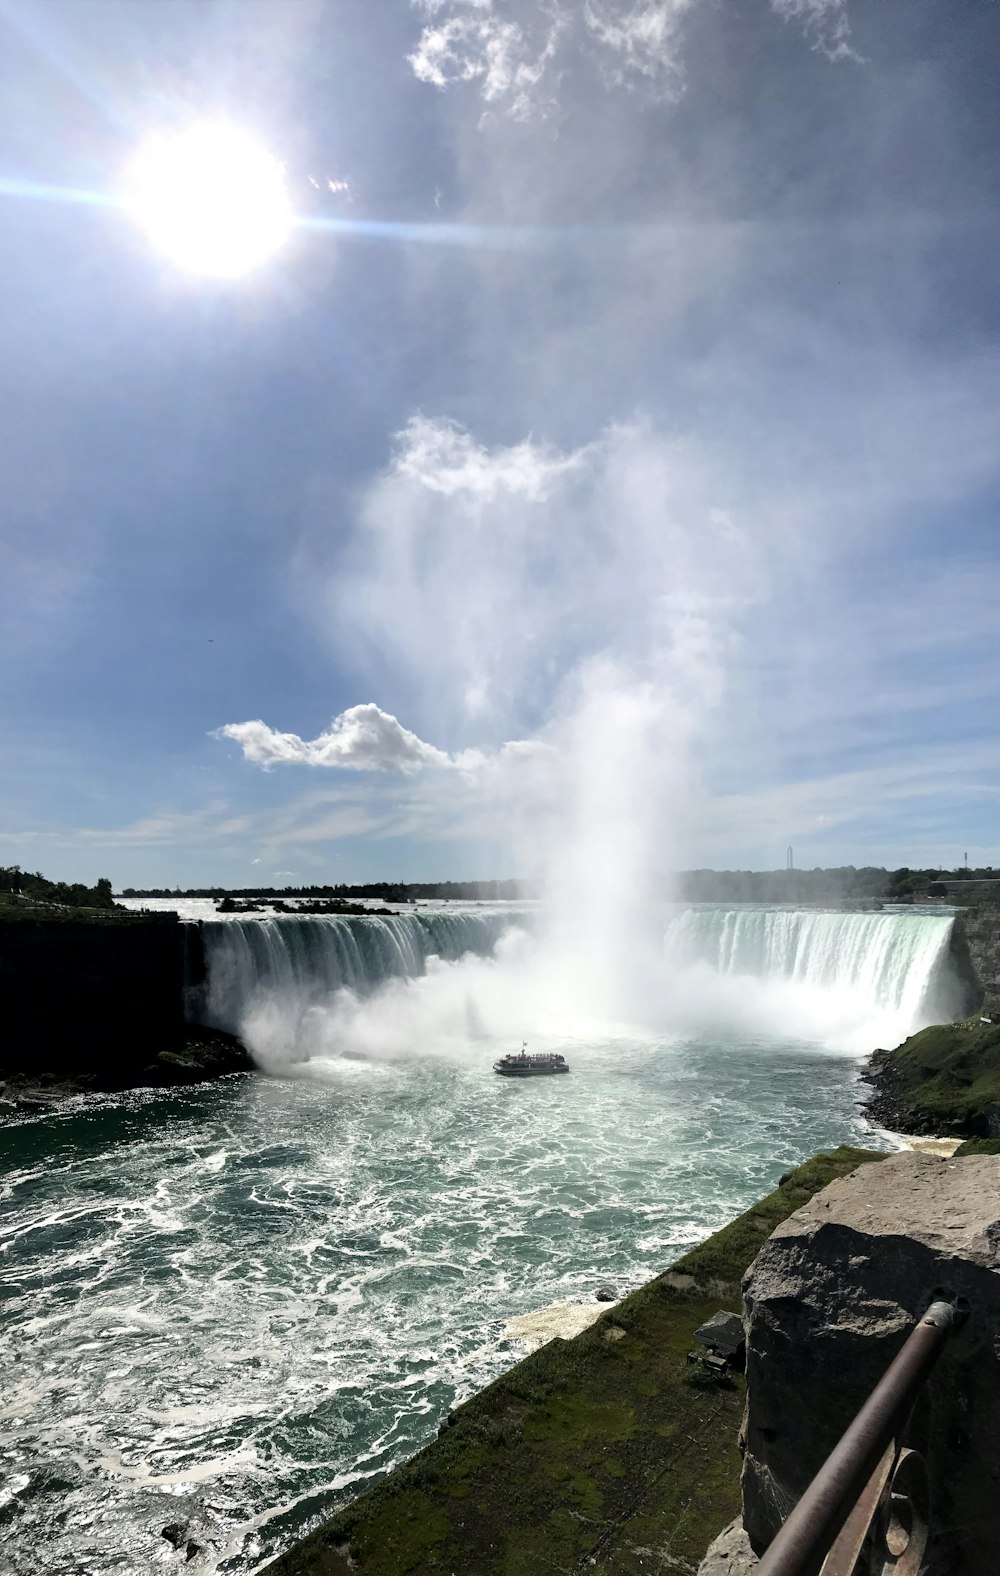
pixel 625 449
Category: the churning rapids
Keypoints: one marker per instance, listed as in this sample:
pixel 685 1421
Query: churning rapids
pixel 236 1305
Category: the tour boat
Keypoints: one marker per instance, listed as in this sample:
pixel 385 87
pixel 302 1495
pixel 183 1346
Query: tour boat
pixel 521 1065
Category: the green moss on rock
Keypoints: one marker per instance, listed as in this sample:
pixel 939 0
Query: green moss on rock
pixel 593 1450
pixel 947 1078
pixel 978 1146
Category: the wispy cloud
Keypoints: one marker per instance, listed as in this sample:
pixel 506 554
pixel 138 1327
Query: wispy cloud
pixel 640 43
pixel 826 22
pixel 509 60
pixel 514 54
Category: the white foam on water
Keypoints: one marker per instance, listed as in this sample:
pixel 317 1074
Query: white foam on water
pixel 254 1294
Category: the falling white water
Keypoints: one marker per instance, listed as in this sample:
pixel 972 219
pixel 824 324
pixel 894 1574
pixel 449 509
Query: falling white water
pixel 881 975
pixel 305 988
pixel 283 984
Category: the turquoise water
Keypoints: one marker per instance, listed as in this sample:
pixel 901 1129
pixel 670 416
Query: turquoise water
pixel 239 1304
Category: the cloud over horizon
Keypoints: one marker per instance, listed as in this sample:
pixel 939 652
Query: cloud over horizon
pixel 363 738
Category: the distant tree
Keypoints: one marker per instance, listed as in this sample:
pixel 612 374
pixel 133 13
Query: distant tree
pixel 103 894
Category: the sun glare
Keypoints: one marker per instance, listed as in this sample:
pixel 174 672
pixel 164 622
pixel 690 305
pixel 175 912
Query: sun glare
pixel 210 198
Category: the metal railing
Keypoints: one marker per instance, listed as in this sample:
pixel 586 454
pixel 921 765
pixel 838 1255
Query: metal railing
pixel 865 1511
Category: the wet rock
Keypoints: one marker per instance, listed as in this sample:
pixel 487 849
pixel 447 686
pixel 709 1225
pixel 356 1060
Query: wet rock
pixel 178 1068
pixel 832 1296
pixel 26 1102
pixel 193 1550
pixel 175 1532
pixel 730 1554
pixel 606 1294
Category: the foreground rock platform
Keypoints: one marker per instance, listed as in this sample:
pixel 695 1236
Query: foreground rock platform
pixel 833 1294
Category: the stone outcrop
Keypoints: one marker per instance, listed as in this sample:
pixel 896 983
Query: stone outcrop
pixel 730 1554
pixel 831 1297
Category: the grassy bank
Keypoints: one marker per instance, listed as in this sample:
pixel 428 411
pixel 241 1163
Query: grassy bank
pixel 946 1079
pixel 18 910
pixel 608 1452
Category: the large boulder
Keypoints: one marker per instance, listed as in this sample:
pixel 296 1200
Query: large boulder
pixel 830 1299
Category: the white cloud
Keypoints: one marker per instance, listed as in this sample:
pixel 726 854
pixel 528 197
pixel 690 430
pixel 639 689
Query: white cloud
pixel 825 21
pixel 641 40
pixel 446 459
pixel 363 738
pixel 508 59
pixel 516 58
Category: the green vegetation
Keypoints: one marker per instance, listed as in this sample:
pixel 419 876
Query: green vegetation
pixel 590 1452
pixel 948 1076
pixel 978 1146
pixel 29 888
pixel 846 884
pixel 388 891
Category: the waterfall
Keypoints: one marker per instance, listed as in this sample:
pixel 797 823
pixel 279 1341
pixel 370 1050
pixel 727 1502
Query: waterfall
pixel 301 961
pixel 301 987
pixel 898 963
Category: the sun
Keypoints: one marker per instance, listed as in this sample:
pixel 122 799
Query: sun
pixel 210 197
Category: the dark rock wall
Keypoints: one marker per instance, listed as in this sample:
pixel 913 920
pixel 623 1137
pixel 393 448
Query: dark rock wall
pixel 89 997
pixel 979 931
pixel 967 961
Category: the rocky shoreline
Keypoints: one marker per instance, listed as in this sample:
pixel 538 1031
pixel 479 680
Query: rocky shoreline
pixel 942 1081
pixel 888 1105
pixel 201 1054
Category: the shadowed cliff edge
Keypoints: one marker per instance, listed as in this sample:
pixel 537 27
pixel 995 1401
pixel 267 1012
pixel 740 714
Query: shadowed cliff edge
pixel 608 1450
pixel 94 1001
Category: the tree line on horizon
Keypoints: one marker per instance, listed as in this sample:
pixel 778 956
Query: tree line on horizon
pixel 837 884
pixel 389 891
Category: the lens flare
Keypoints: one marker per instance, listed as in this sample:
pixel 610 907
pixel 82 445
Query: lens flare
pixel 210 198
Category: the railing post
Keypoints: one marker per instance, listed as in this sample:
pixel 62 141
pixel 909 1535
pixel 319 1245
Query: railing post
pixel 849 1488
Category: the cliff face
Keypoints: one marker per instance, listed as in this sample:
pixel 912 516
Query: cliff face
pixel 79 996
pixel 969 957
pixel 979 928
